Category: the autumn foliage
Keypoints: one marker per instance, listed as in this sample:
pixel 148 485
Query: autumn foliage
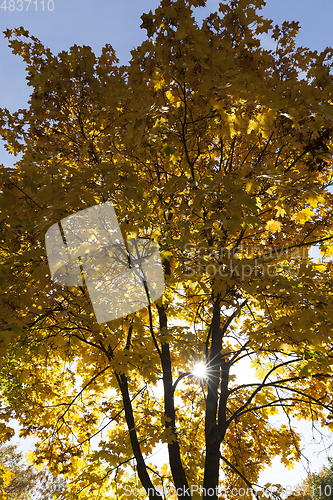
pixel 220 151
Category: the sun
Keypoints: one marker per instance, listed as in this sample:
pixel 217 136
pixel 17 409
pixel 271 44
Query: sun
pixel 199 370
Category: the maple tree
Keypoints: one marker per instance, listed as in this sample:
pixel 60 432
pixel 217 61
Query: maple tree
pixel 219 150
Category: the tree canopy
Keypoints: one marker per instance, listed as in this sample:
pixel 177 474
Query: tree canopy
pixel 219 151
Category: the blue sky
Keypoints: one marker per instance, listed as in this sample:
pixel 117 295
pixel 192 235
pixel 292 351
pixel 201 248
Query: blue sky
pixel 98 22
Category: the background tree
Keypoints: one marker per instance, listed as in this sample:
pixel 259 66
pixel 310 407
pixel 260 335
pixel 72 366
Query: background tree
pixel 220 151
pixel 316 486
pixel 321 484
pixel 25 482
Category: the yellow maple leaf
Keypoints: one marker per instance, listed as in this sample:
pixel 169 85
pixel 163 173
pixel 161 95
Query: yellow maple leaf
pixel 303 216
pixel 315 199
pixel 273 225
pixel 280 212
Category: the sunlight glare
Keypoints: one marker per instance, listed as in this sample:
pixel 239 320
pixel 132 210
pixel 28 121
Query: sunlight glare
pixel 199 370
